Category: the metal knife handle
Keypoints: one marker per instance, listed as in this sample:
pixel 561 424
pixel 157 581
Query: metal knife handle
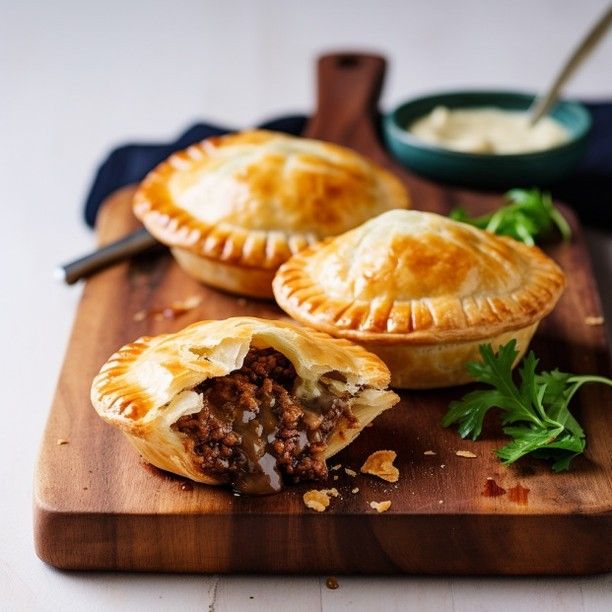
pixel 132 244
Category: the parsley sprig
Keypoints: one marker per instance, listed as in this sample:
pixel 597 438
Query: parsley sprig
pixel 528 216
pixel 535 413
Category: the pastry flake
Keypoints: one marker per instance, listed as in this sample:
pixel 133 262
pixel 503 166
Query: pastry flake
pixel 243 401
pixel 422 291
pixel 466 453
pixel 316 500
pixel 380 463
pixel 593 321
pixel 233 208
pixel 382 506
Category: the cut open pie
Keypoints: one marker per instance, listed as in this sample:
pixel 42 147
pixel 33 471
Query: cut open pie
pixel 422 292
pixel 242 401
pixel 233 208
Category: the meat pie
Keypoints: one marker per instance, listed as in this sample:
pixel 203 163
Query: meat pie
pixel 233 208
pixel 246 402
pixel 421 291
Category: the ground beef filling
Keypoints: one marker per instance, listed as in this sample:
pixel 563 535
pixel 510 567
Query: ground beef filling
pixel 253 429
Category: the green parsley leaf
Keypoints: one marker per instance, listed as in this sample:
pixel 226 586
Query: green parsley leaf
pixel 528 216
pixel 535 413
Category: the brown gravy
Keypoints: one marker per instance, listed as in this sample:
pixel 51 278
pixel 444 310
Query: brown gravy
pixel 254 430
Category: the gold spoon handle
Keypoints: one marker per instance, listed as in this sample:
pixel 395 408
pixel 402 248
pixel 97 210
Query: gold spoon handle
pixel 542 105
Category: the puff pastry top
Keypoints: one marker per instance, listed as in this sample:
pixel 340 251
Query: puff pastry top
pixel 136 384
pixel 255 198
pixel 418 277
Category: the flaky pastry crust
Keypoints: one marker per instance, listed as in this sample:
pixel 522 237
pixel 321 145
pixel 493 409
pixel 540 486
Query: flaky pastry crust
pixel 248 201
pixel 146 386
pixel 408 284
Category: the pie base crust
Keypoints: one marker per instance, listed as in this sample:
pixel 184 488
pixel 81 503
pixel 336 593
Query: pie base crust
pixel 252 282
pixel 430 367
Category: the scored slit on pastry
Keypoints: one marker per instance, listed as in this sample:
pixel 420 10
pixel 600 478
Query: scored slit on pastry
pixel 244 401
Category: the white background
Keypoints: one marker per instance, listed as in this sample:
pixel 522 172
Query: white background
pixel 77 78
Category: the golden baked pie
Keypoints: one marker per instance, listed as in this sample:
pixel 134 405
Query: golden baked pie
pixel 243 401
pixel 422 292
pixel 233 208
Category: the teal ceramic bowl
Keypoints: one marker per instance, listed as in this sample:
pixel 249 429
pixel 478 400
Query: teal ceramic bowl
pixel 486 170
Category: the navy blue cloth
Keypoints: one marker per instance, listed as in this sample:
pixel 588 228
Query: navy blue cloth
pixel 588 191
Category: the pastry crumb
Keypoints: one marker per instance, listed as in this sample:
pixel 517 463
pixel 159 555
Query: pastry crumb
pixel 61 441
pixel 140 315
pixel 335 477
pixel 193 301
pixel 440 501
pixel 593 321
pixel 382 506
pixel 443 465
pixel 349 472
pixel 332 583
pixel 333 492
pixel 380 463
pixel 430 452
pixel 336 467
pixel 465 453
pixel 176 309
pixel 355 490
pixel 370 424
pixel 316 500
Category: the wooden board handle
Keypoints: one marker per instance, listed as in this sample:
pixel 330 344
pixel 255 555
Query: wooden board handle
pixel 348 89
pixel 349 85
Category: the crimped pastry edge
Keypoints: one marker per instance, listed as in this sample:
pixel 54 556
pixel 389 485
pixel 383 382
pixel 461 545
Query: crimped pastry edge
pixel 302 298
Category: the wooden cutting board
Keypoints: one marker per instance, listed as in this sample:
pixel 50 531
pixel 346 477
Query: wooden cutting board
pixel 99 506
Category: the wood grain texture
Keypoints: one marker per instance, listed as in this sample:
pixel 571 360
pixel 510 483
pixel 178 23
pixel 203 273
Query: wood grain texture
pixel 98 506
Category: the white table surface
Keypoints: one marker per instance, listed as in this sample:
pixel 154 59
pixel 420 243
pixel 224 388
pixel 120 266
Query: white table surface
pixel 77 78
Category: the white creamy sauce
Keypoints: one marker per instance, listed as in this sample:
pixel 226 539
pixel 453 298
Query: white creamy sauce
pixel 487 130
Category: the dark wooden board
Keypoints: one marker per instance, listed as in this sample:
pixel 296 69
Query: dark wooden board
pixel 99 506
